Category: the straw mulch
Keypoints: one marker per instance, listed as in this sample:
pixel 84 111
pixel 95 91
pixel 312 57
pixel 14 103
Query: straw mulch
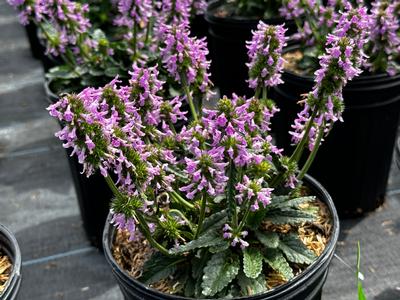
pixel 132 255
pixel 5 271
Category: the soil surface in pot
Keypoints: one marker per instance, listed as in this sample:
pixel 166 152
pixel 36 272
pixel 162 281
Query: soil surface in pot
pixel 230 11
pixel 131 255
pixel 5 270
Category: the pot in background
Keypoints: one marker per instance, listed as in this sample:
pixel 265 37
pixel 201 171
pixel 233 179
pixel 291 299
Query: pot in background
pixel 227 44
pixel 306 286
pixel 36 47
pixel 9 245
pixel 94 195
pixel 353 164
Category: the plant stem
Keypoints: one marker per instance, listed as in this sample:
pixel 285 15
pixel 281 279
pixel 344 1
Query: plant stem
pixel 147 233
pixel 182 201
pixel 142 221
pixel 113 187
pixel 230 196
pixel 189 97
pixel 311 157
pixel 202 215
pixel 178 212
pixel 264 93
pixel 134 40
pixel 244 219
pixel 171 126
pixel 300 146
pixel 257 93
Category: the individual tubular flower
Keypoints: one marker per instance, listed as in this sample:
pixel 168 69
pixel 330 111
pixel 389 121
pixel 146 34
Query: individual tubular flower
pixel 206 172
pixel 265 53
pixel 252 191
pixel 185 59
pixel 385 41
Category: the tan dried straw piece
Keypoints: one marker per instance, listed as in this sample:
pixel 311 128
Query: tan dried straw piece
pixel 5 271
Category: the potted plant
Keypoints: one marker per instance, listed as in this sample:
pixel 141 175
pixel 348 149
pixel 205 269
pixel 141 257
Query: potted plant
pixel 212 210
pixel 10 265
pixel 230 25
pixel 358 151
pixel 89 56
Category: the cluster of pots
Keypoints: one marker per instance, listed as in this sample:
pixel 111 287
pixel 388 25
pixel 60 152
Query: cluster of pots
pixel 353 164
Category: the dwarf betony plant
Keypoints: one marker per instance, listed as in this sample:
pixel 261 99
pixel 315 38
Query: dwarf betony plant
pixel 315 21
pixel 200 194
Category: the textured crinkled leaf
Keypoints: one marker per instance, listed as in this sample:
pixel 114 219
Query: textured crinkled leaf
pixel 220 247
pixel 268 239
pixel 295 251
pixel 221 269
pixel 285 201
pixel 252 262
pixel 275 259
pixel 255 218
pixel 251 287
pixel 215 220
pixel 289 216
pixel 208 239
pixel 159 267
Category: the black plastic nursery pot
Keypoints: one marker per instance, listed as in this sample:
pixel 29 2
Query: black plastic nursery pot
pixel 9 246
pixel 398 153
pixel 36 47
pixel 227 44
pixel 306 285
pixel 94 195
pixel 199 26
pixel 354 162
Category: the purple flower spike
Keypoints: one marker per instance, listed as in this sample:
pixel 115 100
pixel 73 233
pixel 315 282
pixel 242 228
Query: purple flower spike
pixel 265 53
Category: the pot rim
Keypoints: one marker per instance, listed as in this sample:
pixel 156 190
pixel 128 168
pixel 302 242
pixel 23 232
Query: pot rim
pixel 293 45
pixel 298 280
pixel 15 257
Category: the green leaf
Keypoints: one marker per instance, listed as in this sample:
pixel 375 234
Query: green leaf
pixel 199 262
pixel 221 269
pixel 63 72
pixel 255 218
pixel 275 259
pixel 159 267
pixel 252 262
pixel 251 287
pixel 295 251
pixel 285 201
pixel 111 71
pixel 361 294
pixel 215 220
pixel 208 239
pixel 268 239
pixel 289 216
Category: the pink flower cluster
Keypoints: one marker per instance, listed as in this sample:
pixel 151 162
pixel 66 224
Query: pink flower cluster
pixel 341 63
pixel 265 53
pixel 184 58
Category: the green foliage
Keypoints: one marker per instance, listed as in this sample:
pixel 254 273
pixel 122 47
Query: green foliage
pixel 275 259
pixel 159 267
pixel 289 216
pixel 221 269
pixel 268 239
pixel 294 249
pixel 252 262
pixel 251 286
pixel 211 237
pixel 360 290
